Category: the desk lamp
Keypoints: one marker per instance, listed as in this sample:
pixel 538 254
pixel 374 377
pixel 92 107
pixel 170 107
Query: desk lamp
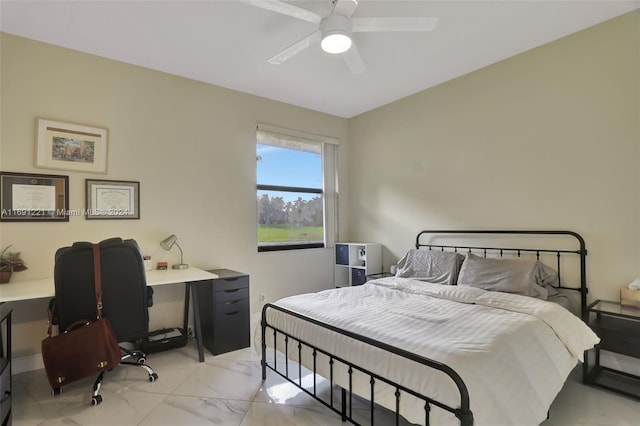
pixel 169 242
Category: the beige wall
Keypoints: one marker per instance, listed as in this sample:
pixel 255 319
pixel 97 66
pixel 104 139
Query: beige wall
pixel 547 139
pixel 191 146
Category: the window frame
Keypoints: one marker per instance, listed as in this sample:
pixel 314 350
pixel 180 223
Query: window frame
pixel 328 191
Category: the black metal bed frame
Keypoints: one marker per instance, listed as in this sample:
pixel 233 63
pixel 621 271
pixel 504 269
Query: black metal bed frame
pixel 581 252
pixel 344 408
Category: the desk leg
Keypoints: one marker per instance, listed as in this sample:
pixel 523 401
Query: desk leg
pixel 196 319
pixel 1 339
pixel 185 321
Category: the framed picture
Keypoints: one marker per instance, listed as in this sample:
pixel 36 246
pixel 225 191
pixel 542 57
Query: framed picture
pixel 112 199
pixel 26 197
pixel 65 146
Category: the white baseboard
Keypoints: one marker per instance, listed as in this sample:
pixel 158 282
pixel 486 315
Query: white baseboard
pixel 26 363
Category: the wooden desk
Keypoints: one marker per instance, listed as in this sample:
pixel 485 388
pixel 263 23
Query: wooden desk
pixel 45 288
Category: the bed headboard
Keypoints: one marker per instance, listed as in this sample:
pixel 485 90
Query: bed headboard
pixel 507 242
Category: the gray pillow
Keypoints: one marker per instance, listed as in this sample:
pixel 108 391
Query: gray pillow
pixel 433 266
pixel 518 276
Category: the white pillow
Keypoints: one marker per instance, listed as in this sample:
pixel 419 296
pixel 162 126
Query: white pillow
pixel 516 276
pixel 438 267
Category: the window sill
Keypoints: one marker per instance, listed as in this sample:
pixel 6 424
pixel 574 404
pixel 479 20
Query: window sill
pixel 283 247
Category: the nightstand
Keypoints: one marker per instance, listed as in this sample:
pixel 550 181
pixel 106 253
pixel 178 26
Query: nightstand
pixel 619 330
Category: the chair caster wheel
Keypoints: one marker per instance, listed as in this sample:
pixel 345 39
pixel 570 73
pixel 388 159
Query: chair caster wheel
pixel 56 391
pixel 153 377
pixel 96 400
pixel 142 361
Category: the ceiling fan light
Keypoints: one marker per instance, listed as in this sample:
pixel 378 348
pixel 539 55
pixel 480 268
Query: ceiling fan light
pixel 336 33
pixel 337 42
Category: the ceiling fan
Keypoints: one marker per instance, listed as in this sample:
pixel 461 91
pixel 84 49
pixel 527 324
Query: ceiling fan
pixel 335 30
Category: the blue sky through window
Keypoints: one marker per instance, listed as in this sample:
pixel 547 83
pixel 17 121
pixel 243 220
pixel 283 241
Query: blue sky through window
pixel 288 167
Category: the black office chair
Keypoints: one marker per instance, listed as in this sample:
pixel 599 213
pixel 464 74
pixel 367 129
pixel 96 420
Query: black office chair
pixel 125 295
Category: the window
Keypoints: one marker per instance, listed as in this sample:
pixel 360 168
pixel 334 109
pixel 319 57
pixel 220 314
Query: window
pixel 295 189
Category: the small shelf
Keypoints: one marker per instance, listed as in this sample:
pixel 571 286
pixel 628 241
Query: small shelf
pixel 615 381
pixel 355 261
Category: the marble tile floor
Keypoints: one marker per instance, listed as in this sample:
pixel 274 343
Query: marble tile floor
pixel 227 390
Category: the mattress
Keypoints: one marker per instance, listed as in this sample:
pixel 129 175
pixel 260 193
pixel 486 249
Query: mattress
pixel 513 352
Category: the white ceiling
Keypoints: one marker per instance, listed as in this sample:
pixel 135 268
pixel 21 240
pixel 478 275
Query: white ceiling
pixel 227 43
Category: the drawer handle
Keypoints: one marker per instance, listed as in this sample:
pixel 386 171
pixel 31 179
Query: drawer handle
pixel 233 302
pixel 232 313
pixel 232 291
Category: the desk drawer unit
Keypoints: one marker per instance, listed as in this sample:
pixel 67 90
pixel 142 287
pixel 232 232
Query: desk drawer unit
pixel 5 369
pixel 5 389
pixel 224 311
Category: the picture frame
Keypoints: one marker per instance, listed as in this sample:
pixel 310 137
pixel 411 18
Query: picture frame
pixel 112 199
pixel 74 147
pixel 28 197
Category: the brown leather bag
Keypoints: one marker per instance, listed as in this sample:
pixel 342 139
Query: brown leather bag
pixel 86 347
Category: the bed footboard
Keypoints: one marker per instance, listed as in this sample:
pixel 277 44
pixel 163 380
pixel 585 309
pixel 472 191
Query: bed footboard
pixel 344 407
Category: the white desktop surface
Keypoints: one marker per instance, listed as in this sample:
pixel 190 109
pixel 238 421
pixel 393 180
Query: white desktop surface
pixel 172 276
pixel 44 287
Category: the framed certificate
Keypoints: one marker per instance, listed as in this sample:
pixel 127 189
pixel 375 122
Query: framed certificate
pixel 26 197
pixel 112 199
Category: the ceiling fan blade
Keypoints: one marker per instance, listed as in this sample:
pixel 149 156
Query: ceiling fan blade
pixel 295 48
pixel 354 60
pixel 394 24
pixel 345 7
pixel 287 9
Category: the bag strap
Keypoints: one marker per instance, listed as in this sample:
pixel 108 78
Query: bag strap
pixel 50 322
pixel 97 278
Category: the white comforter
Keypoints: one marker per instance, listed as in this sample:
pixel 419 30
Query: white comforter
pixel 513 352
